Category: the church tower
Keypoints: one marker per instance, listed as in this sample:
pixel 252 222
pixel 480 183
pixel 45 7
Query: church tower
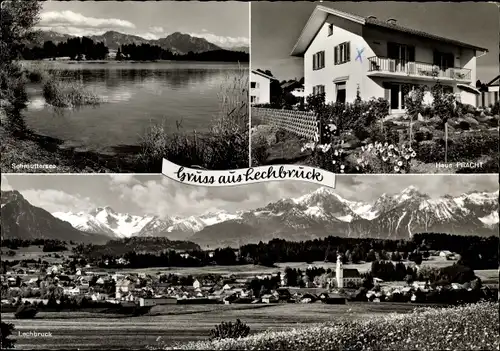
pixel 340 272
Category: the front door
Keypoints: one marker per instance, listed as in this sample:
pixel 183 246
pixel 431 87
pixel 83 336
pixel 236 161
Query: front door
pixel 397 97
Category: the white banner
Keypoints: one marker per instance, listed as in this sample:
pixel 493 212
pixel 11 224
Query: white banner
pixel 201 177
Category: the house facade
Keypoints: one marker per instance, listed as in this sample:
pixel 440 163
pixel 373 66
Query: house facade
pixel 345 53
pixel 260 87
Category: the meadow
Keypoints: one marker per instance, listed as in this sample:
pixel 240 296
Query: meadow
pixel 470 327
pixel 181 323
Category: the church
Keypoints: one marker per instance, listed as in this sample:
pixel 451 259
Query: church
pixel 347 277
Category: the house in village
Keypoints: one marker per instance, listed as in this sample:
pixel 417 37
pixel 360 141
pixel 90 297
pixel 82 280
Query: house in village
pixel 345 53
pixel 293 87
pixel 346 278
pixel 260 87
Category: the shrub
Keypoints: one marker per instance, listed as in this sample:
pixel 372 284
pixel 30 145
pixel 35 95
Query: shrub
pixel 462 147
pixel 260 151
pixel 422 134
pixel 445 105
pixel 495 110
pixel 464 125
pixel 66 94
pixel 25 312
pixel 385 158
pixel 227 330
pixel 6 330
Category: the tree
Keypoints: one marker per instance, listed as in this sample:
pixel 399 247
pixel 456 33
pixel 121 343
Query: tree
pixel 17 25
pixel 6 330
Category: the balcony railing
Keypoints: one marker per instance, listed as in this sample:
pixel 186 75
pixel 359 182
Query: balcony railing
pixel 420 69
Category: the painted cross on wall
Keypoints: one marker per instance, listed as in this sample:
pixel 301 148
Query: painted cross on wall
pixel 359 56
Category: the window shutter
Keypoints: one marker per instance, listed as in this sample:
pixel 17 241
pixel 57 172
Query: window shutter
pixel 336 55
pixel 348 52
pixel 322 59
pixel 314 61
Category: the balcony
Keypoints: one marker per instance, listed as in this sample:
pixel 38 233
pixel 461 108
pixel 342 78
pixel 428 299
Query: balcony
pixel 386 67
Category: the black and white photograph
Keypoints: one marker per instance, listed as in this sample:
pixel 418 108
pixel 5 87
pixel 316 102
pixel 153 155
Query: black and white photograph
pixel 376 87
pixel 116 86
pixel 380 262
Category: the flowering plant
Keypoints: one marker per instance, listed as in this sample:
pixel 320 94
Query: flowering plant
pixel 393 159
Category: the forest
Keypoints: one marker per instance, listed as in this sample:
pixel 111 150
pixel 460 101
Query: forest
pixel 85 49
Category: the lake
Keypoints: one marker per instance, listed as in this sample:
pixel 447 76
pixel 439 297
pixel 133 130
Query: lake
pixel 135 96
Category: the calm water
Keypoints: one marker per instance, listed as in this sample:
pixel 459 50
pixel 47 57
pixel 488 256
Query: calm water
pixel 135 95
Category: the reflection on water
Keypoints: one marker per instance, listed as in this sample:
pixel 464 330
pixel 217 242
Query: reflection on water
pixel 135 96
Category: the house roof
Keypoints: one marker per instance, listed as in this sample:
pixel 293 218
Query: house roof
pixel 351 273
pixel 263 75
pixel 293 84
pixel 321 13
pixel 494 82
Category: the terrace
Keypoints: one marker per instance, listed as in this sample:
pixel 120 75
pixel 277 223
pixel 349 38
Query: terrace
pixel 388 67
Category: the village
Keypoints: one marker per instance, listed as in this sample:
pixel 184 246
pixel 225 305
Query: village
pixel 59 282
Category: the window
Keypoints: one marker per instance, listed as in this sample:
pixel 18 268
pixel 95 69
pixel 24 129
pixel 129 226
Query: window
pixel 318 60
pixel 318 89
pixel 342 53
pixel 254 85
pixel 253 99
pixel 341 92
pixel 400 52
pixel 444 60
pixel 330 29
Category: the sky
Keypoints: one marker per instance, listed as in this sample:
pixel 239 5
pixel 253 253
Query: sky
pixel 276 26
pixel 224 24
pixel 161 196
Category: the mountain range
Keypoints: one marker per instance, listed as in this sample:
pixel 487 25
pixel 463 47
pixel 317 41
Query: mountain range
pixel 21 220
pixel 177 42
pixel 318 214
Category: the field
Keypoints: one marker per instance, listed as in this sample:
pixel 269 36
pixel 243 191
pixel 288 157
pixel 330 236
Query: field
pixel 34 253
pixel 177 323
pixel 468 327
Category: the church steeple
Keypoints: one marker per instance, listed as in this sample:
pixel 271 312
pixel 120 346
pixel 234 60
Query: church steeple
pixel 340 272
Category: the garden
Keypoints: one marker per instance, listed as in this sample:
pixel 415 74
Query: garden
pixel 444 136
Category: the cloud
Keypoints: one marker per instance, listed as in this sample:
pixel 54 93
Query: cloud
pixel 57 200
pixel 222 41
pixel 165 197
pixel 5 184
pixel 156 29
pixel 73 23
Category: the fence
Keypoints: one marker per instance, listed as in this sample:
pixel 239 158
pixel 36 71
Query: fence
pixel 487 98
pixel 301 123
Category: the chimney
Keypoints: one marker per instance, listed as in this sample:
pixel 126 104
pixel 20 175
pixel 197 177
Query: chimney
pixel 371 17
pixel 391 21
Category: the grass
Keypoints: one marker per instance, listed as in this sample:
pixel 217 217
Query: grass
pixel 471 327
pixel 225 146
pixel 180 323
pixel 64 94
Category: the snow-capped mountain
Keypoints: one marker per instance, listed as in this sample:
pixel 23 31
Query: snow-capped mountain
pixel 318 214
pixel 123 225
pixel 398 216
pixel 106 221
pixel 22 220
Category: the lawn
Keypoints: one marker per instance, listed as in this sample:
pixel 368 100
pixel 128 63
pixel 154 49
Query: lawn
pixel 34 253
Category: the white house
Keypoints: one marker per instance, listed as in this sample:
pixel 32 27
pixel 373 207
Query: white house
pixel 260 87
pixel 346 278
pixel 344 53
